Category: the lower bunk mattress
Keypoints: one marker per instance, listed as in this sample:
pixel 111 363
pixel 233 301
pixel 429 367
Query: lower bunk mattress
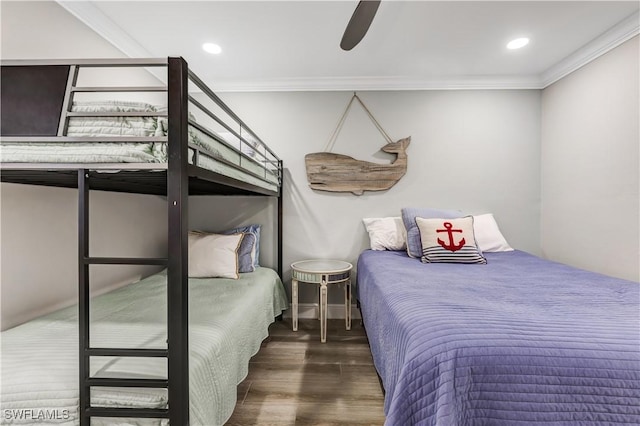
pixel 228 320
pixel 520 340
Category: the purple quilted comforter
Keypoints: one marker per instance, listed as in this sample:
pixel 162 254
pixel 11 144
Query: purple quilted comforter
pixel 518 341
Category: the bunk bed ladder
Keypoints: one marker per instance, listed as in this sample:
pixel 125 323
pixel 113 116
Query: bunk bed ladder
pixel 177 352
pixel 86 351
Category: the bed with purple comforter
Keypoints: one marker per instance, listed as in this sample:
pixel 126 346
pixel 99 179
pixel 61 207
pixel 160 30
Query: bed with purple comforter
pixel 517 341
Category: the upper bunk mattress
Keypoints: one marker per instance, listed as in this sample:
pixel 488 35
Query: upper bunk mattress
pixel 142 152
pixel 228 319
pixel 520 340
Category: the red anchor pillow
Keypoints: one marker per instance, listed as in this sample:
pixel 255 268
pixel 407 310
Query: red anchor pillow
pixel 449 240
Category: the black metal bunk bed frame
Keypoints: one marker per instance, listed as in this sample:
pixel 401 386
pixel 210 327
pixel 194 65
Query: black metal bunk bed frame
pixel 177 180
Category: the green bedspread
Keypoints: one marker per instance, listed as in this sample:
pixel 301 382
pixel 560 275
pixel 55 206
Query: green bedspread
pixel 228 319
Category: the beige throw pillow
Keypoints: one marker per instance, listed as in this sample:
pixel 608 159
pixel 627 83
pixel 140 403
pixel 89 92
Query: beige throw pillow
pixel 213 255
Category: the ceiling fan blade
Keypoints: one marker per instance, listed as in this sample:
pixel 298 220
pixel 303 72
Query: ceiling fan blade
pixel 359 23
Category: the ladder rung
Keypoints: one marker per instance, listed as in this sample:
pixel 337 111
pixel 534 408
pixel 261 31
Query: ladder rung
pixel 128 383
pixel 153 413
pixel 132 352
pixel 125 261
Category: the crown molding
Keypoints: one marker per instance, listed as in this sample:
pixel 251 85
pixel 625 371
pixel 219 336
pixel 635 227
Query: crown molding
pixel 95 19
pixel 610 39
pixel 377 83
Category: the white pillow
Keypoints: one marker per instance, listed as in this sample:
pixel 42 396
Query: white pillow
pixel 213 255
pixel 488 234
pixel 386 233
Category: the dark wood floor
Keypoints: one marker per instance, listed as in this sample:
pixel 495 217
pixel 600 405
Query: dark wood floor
pixel 296 380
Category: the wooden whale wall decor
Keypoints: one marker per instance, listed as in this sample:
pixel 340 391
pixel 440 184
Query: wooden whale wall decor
pixel 327 171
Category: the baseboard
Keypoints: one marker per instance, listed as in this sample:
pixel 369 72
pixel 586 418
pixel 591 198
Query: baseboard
pixel 334 311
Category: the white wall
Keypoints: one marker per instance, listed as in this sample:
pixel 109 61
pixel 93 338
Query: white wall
pixel 39 250
pixel 477 151
pixel 39 225
pixel 590 161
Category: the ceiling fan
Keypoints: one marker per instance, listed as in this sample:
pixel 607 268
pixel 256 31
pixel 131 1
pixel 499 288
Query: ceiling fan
pixel 359 23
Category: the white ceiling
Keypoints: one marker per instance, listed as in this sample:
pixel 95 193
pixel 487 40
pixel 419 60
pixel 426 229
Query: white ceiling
pixel 294 45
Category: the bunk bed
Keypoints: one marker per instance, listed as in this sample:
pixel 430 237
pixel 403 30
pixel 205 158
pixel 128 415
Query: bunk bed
pixel 180 157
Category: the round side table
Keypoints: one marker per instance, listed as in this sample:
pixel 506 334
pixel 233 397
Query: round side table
pixel 322 272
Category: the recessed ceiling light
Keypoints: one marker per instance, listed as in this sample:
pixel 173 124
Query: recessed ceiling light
pixel 518 43
pixel 212 48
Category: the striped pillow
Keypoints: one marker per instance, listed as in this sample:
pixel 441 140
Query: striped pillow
pixel 409 215
pixel 449 240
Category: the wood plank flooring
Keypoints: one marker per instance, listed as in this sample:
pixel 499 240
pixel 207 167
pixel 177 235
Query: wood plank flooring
pixel 296 380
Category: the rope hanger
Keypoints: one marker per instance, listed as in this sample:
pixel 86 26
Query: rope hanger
pixel 334 135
